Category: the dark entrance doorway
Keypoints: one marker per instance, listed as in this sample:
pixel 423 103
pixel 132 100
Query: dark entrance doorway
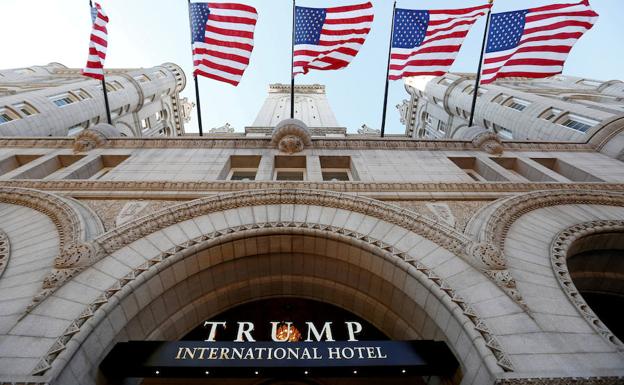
pixel 271 318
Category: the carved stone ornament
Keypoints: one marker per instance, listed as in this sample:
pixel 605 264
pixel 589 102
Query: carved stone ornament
pixel 493 264
pixel 512 208
pixel 95 137
pixel 558 257
pixel 5 251
pixel 488 255
pixel 291 136
pixel 489 142
pixel 171 256
pixel 78 255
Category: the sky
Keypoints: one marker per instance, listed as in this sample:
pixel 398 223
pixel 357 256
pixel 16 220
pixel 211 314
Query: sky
pixel 145 33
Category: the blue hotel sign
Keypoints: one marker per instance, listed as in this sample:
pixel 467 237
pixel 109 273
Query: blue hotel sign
pixel 316 353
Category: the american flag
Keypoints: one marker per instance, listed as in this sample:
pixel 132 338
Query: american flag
pixel 534 43
pixel 97 44
pixel 329 38
pixel 223 39
pixel 427 42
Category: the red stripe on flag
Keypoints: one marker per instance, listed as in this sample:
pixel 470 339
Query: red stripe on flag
pixel 229 32
pixel 461 11
pixel 223 55
pixel 206 62
pixel 353 20
pixel 349 8
pixel 344 32
pixel 231 44
pixel 424 73
pixel 562 24
pixel 554 7
pixel 93 51
pixel 557 36
pixel 422 63
pixel 232 19
pixel 547 48
pixel 99 40
pixel 450 27
pixel 533 18
pixel 329 43
pixel 233 6
pixel 435 49
pixel 215 77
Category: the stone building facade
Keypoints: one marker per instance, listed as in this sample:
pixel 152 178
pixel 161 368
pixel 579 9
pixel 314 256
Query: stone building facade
pixel 53 100
pixel 562 108
pixel 490 246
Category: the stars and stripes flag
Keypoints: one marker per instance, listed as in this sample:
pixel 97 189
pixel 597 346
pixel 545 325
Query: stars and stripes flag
pixel 426 42
pixel 329 38
pixel 534 43
pixel 223 39
pixel 97 44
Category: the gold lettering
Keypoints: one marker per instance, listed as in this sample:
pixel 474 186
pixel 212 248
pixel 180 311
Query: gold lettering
pixel 201 354
pixel 225 354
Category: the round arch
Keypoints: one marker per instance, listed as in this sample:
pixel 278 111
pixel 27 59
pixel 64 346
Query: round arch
pixel 535 230
pixel 392 244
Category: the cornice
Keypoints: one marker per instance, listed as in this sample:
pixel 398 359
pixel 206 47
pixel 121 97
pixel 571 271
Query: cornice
pixel 348 187
pixel 234 142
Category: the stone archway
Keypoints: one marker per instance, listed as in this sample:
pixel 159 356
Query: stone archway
pixel 398 246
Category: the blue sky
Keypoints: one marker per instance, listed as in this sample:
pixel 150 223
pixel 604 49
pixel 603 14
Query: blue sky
pixel 144 33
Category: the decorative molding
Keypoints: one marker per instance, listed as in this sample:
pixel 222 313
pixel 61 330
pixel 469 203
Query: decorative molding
pixel 511 209
pixel 436 232
pixel 380 187
pixel 5 251
pixel 562 381
pixel 92 138
pixel 291 136
pixel 489 142
pixel 558 258
pixel 74 251
pixel 66 220
pixel 356 143
pixel 258 229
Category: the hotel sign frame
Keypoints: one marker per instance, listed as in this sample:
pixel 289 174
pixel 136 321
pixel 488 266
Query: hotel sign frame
pixel 199 359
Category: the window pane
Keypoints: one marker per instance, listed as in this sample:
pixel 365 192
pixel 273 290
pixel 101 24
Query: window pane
pixel 289 175
pixel 243 175
pixel 335 176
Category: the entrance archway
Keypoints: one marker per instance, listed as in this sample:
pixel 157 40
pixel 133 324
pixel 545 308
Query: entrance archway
pixel 309 264
pixel 184 265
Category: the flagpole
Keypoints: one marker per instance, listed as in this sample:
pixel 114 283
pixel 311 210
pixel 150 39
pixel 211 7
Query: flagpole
pixel 292 63
pixel 385 102
pixel 108 114
pixel 478 77
pixel 104 90
pixel 199 115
